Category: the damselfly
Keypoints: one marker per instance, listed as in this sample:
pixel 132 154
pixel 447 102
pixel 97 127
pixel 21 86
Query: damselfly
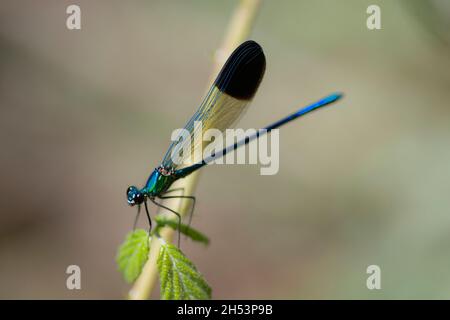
pixel 228 97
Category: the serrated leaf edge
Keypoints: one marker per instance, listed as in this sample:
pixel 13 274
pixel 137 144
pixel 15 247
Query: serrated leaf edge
pixel 193 276
pixel 124 267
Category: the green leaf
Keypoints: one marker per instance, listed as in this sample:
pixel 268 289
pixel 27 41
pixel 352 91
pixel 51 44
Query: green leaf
pixel 179 278
pixel 192 233
pixel 132 254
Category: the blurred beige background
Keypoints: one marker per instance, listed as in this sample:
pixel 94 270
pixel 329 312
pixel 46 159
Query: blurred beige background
pixel 86 113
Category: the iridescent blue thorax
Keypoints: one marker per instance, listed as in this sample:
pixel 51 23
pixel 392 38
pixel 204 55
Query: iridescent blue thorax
pixel 158 182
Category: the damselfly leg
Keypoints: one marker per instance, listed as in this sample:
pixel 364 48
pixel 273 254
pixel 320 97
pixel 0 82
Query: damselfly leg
pixel 191 212
pixel 137 217
pixel 174 212
pixel 148 217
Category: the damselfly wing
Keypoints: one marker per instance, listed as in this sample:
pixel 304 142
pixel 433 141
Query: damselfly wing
pixel 223 105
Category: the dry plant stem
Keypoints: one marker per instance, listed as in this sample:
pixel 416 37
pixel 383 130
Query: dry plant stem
pixel 238 31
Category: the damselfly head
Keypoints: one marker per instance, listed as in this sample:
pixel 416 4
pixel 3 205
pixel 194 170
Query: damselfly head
pixel 134 196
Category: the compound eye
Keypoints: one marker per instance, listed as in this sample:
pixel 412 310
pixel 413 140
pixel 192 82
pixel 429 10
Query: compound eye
pixel 139 198
pixel 132 195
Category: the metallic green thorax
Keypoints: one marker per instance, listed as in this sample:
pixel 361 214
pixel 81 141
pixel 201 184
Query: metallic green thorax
pixel 158 183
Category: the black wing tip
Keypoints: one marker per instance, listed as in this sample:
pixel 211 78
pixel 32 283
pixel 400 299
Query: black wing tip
pixel 242 73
